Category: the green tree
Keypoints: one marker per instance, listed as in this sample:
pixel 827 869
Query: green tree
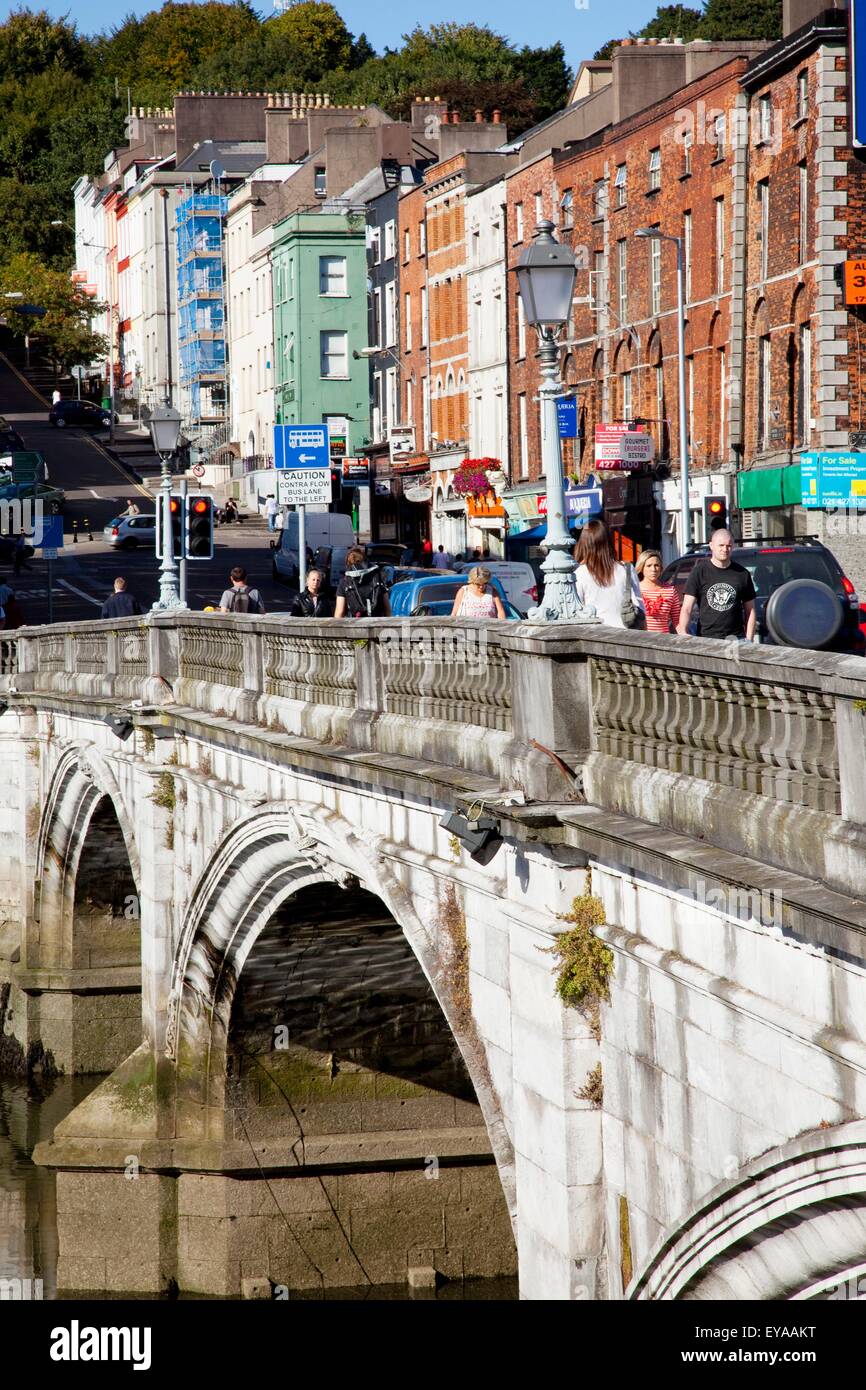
pixel 742 19
pixel 64 329
pixel 546 77
pixel 157 55
pixel 673 22
pixel 313 38
pixel 31 41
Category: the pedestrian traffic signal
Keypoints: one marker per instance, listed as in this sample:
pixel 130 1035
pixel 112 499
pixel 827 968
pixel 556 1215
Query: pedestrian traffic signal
pixel 715 514
pixel 198 526
pixel 336 485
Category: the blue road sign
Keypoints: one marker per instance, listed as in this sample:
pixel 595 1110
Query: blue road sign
pixel 566 414
pixel 51 529
pixel 857 66
pixel 301 446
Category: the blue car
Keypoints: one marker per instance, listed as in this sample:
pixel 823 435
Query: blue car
pixel 434 594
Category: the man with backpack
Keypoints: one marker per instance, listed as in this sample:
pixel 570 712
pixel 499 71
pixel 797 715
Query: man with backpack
pixel 361 593
pixel 240 598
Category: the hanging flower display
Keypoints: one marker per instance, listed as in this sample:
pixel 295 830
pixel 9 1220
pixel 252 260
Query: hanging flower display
pixel 471 478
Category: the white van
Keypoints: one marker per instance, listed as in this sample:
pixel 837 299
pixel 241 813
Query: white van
pixel 329 529
pixel 516 577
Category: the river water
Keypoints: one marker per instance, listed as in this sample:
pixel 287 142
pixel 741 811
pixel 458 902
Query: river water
pixel 29 1112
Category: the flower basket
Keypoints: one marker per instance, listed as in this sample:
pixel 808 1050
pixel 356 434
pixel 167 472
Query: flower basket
pixel 471 478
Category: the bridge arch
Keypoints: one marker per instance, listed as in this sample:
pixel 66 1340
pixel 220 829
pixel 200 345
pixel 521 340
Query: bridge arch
pixel 263 861
pixel 790 1226
pixel 83 796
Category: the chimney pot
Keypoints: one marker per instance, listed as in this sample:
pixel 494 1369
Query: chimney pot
pixel 497 117
pixel 479 117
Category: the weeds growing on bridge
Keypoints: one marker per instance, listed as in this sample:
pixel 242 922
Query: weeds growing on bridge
pixel 593 1088
pixel 585 964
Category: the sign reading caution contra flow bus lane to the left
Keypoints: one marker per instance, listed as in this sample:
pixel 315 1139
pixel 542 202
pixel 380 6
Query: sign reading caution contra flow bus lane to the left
pixel 303 463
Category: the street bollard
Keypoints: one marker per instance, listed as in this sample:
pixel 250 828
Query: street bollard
pixel 75 533
pixel 89 532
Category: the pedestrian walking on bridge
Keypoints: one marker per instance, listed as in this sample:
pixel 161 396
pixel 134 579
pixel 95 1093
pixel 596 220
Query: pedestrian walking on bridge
pixel 120 604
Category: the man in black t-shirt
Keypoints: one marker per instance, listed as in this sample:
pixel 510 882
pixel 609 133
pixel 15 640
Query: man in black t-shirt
pixel 723 591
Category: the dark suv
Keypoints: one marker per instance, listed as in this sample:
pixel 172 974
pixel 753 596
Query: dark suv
pixel 84 414
pixel 799 616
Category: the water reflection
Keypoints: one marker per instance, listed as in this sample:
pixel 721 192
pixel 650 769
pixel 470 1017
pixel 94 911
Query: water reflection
pixel 29 1111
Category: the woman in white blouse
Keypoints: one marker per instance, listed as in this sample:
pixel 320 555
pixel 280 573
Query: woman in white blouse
pixel 602 581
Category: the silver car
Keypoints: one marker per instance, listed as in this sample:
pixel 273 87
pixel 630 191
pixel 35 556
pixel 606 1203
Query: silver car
pixel 126 532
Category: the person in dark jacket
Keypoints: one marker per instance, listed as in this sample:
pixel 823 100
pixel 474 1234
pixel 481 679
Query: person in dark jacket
pixel 121 604
pixel 314 602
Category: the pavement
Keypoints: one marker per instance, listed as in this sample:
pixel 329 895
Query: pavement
pixel 98 482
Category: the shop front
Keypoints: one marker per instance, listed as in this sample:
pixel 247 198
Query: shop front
pixel 487 524
pixel 771 502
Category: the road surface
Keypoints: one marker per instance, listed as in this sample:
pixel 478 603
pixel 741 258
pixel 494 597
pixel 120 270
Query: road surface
pixel 97 488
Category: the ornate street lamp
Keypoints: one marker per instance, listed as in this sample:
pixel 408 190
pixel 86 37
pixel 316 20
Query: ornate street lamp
pixel 546 274
pixel 164 427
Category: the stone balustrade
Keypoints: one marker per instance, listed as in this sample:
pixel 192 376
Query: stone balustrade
pixel 760 750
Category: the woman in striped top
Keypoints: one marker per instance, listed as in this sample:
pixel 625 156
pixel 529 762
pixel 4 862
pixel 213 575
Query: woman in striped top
pixel 661 601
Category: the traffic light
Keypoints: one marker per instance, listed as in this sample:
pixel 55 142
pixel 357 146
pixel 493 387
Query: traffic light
pixel 176 528
pixel 715 514
pixel 336 485
pixel 198 526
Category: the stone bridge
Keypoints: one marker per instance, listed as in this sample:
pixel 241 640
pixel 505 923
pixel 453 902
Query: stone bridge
pixel 335 1049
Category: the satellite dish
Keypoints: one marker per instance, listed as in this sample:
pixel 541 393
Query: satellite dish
pixel 217 171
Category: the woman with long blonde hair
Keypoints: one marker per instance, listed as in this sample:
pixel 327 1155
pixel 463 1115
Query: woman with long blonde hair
pixel 603 581
pixel 661 601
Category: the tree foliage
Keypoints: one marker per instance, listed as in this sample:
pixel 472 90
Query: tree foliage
pixel 65 328
pixel 719 19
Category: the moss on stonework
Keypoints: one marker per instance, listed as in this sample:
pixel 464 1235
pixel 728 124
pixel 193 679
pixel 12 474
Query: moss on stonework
pixel 163 793
pixel 456 963
pixel 148 742
pixel 136 1090
pixel 585 964
pixel 593 1088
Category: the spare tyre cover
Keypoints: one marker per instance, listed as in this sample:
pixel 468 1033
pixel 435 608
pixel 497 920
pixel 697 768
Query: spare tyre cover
pixel 803 613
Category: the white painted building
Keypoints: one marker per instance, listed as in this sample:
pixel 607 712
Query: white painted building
pixel 486 297
pixel 91 243
pixel 151 349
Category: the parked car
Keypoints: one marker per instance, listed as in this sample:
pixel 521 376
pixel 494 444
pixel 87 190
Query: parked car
pixel 387 553
pixel 10 440
pixel 84 414
pixel 517 578
pixel 433 594
pixel 790 577
pixel 52 498
pixel 321 530
pixel 398 574
pixel 126 532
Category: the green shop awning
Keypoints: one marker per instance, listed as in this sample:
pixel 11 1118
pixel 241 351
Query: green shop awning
pixel 758 488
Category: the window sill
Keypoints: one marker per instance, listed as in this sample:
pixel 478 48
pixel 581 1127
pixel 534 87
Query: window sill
pixel 687 173
pixel 324 294
pixel 334 378
pixel 596 221
pixel 652 192
pixel 719 159
pixel 801 120
pixel 620 207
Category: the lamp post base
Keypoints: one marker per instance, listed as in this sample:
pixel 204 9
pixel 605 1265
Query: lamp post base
pixel 561 603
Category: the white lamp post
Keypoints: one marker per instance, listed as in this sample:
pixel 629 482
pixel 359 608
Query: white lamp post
pixel 546 274
pixel 653 234
pixel 164 427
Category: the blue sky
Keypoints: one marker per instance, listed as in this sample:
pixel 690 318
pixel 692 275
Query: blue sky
pixel 582 30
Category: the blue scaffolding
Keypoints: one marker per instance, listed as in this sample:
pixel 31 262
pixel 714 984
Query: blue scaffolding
pixel 201 312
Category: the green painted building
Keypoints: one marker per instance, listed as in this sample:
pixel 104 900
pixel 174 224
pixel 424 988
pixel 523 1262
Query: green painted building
pixel 320 317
